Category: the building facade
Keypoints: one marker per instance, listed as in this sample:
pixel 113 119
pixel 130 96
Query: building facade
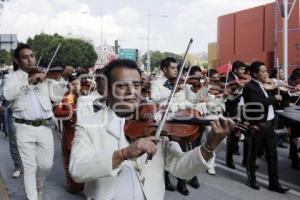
pixel 8 41
pixel 256 34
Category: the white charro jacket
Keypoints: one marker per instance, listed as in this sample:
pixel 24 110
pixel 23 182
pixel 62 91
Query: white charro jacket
pixel 160 94
pixel 91 160
pixel 15 90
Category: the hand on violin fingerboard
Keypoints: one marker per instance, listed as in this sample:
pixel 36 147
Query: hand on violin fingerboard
pixel 67 72
pixel 221 128
pixel 35 78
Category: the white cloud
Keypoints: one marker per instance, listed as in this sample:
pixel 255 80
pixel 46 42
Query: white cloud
pixel 186 18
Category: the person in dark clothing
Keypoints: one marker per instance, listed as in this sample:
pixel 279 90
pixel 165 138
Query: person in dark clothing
pixel 232 106
pixel 259 111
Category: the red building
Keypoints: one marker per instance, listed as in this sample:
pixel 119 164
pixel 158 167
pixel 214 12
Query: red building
pixel 256 34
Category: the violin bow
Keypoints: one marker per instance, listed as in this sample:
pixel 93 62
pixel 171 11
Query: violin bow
pixel 93 79
pixel 38 63
pixel 227 74
pixel 165 113
pixel 187 76
pixel 54 55
pixel 297 100
pixel 277 65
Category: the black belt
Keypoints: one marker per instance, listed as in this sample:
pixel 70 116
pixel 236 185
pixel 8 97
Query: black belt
pixel 33 122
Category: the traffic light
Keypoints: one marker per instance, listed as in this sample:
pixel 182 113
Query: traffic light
pixel 116 46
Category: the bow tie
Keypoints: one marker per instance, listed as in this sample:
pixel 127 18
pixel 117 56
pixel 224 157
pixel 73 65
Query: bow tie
pixel 169 85
pixel 98 104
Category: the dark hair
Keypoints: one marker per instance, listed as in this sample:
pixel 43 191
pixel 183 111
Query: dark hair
pixel 254 67
pixel 247 69
pixel 99 72
pixel 166 62
pixel 72 77
pixel 212 72
pixel 295 76
pixel 15 66
pixel 20 47
pixel 237 65
pixel 119 63
pixel 195 69
pixel 274 72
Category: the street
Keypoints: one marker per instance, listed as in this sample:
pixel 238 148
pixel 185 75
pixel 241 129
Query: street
pixel 226 185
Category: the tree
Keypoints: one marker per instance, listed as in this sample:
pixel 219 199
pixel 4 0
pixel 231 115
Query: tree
pixel 157 56
pixel 5 58
pixel 77 53
pixel 73 52
pixel 40 46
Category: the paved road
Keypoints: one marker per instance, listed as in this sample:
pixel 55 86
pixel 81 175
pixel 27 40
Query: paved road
pixel 226 185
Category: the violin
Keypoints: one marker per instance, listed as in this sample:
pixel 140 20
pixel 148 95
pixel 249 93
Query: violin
pixel 217 89
pixel 145 125
pixel 53 74
pixel 193 80
pixel 269 85
pixel 196 82
pixel 183 126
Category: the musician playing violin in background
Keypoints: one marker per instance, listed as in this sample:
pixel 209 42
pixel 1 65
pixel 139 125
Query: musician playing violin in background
pixel 31 98
pixel 259 110
pixel 66 111
pixel 232 108
pixel 294 80
pixel 208 100
pixel 94 94
pixel 113 168
pixel 160 91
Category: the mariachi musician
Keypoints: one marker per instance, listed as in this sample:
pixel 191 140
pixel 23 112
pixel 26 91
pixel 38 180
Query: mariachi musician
pixel 259 111
pixel 295 126
pixel 66 110
pixel 114 168
pixel 232 106
pixel 31 94
pixel 160 91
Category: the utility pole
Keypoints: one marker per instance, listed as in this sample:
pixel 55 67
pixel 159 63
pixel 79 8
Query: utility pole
pixel 285 38
pixel 149 15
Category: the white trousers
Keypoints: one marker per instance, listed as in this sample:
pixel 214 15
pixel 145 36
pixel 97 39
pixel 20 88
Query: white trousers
pixel 204 136
pixel 36 149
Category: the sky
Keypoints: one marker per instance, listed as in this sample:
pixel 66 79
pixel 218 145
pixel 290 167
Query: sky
pixel 125 20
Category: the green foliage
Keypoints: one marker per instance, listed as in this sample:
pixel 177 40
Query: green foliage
pixel 73 52
pixel 5 58
pixel 157 56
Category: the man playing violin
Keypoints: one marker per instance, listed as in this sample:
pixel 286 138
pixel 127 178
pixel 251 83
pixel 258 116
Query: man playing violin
pixel 31 98
pixel 259 110
pixel 114 168
pixel 160 91
pixel 232 106
pixel 66 111
pixel 94 94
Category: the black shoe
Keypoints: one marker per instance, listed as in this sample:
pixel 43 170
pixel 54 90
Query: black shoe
pixel 181 187
pixel 230 165
pixel 245 165
pixel 237 153
pixel 253 185
pixel 296 167
pixel 169 186
pixel 279 189
pixel 282 146
pixel 194 182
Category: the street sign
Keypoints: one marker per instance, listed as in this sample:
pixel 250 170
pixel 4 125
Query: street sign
pixel 131 54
